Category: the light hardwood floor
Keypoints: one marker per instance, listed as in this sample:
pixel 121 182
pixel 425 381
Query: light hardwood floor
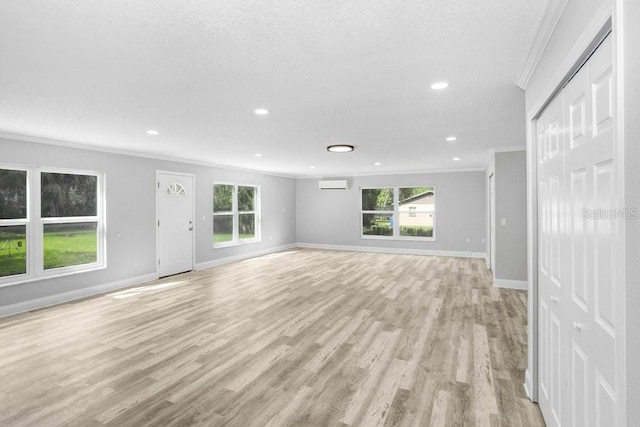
pixel 304 337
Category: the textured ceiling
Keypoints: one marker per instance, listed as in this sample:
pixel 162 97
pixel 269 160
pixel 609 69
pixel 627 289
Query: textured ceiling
pixel 103 72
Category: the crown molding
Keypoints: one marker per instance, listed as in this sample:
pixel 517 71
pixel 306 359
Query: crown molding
pixel 545 30
pixel 387 173
pixel 88 147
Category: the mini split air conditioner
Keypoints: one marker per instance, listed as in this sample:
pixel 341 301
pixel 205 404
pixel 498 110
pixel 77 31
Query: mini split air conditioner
pixel 334 184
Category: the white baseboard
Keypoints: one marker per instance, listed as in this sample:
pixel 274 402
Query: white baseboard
pixel 528 385
pixel 405 251
pixel 64 297
pixel 511 284
pixel 227 260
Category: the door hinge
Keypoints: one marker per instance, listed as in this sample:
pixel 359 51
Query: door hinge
pixel 158 223
pixel 158 184
pixel 158 262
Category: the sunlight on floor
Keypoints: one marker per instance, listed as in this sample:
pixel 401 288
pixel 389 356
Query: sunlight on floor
pixel 271 256
pixel 143 289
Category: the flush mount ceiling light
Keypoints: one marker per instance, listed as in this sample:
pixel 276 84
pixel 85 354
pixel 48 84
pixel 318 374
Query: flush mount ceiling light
pixel 312 167
pixel 258 155
pixel 152 132
pixel 340 148
pixel 439 85
pixel 451 138
pixel 455 159
pixel 261 111
pixel 377 164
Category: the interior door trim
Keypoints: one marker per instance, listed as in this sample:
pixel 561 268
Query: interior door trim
pixel 585 45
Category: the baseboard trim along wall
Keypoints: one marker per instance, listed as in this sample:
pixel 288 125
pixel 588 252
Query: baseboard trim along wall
pixel 511 284
pixel 459 254
pixel 227 260
pixel 527 384
pixel 21 307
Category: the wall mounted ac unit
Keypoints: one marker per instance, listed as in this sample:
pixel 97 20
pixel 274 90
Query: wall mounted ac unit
pixel 334 184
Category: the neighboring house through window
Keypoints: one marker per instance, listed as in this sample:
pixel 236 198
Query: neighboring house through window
pixel 398 213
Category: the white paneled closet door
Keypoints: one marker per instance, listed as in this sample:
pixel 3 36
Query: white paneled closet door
pixel 552 327
pixel 578 245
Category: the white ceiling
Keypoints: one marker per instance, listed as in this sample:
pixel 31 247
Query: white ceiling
pixel 103 72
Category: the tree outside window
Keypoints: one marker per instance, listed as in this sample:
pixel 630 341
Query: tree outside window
pixel 398 212
pixel 235 214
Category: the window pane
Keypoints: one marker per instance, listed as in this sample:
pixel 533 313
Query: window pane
pixel 13 194
pixel 222 228
pixel 66 195
pixel 377 199
pixel 377 224
pixel 246 198
pixel 408 194
pixel 247 226
pixel 13 248
pixel 418 224
pixel 70 244
pixel 222 198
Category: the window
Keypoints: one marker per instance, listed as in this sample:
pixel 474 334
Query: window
pixel 235 214
pixel 51 223
pixel 69 215
pixel 398 213
pixel 377 211
pixel 13 222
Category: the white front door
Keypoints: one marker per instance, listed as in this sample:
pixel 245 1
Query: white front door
pixel 175 223
pixel 579 373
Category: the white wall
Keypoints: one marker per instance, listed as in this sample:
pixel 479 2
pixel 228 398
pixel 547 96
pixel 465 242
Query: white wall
pixel 631 40
pixel 511 204
pixel 131 212
pixel 332 217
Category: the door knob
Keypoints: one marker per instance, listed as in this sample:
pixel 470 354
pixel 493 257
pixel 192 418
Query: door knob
pixel 190 228
pixel 554 299
pixel 577 325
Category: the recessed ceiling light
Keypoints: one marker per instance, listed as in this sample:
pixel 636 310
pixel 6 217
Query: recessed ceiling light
pixel 451 138
pixel 261 111
pixel 340 148
pixel 377 164
pixel 439 85
pixel 152 132
pixel 455 159
pixel 258 155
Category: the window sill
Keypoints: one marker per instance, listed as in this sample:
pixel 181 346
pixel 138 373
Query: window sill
pixel 29 279
pixel 236 243
pixel 401 238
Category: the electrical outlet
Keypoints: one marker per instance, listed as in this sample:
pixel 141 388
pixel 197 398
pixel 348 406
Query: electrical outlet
pixel 503 221
pixel 468 240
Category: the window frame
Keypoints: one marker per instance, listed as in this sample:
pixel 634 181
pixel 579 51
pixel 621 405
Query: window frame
pixel 27 223
pixel 35 226
pixel 395 214
pixel 378 212
pixel 235 214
